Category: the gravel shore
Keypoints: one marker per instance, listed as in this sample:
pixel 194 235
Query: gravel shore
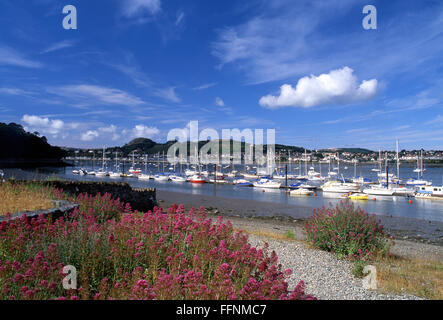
pixel 325 276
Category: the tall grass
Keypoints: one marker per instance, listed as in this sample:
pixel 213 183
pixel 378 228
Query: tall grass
pixel 18 197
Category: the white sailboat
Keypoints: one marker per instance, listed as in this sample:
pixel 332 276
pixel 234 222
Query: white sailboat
pixel 102 173
pixel 267 183
pixel 340 187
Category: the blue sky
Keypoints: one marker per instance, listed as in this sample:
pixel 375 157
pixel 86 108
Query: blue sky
pixel 306 68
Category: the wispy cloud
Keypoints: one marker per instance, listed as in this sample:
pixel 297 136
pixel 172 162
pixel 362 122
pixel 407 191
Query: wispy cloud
pixel 134 73
pixel 168 94
pixel 278 42
pixel 137 8
pixel 93 94
pixel 205 86
pixel 58 46
pixel 15 92
pixel 11 57
pixel 180 18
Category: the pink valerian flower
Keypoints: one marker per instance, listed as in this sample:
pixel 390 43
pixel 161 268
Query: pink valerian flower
pixel 153 255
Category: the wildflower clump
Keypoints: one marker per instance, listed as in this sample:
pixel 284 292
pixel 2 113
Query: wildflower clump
pixel 347 231
pixel 130 255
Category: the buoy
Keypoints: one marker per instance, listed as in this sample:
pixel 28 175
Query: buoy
pixel 410 201
pixel 263 190
pixel 315 194
pixel 374 199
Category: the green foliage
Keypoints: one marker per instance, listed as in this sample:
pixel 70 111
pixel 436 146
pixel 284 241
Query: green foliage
pixel 347 231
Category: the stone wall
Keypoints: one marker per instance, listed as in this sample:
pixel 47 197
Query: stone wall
pixel 141 200
pixel 61 209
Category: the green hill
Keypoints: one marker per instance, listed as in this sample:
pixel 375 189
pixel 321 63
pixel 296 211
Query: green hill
pixel 18 147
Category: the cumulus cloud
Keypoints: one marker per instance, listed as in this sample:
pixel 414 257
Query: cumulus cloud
pixel 139 7
pixel 89 135
pixel 142 131
pixel 336 87
pixel 110 131
pixel 43 125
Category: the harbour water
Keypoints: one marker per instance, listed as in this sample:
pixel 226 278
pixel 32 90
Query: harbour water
pixel 431 210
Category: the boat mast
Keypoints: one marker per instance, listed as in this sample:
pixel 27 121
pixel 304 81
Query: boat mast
pixel 103 161
pixel 386 169
pixel 398 163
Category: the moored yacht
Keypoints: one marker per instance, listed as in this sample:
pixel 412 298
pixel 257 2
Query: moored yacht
pixel 176 178
pixel 341 187
pixel 197 179
pixel 266 182
pixel 428 192
pixel 418 182
pixel 379 190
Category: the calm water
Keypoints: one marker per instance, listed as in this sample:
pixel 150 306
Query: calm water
pixel 395 206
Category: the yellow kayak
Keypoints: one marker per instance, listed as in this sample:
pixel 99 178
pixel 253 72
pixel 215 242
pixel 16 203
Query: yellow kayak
pixel 358 196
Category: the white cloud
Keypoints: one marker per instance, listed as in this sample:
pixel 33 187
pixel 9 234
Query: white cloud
pixel 96 94
pixel 337 87
pixel 58 46
pixel 168 94
pixel 142 131
pixel 437 120
pixel 110 131
pixel 139 7
pixel 89 135
pixel 180 17
pixel 9 56
pixel 219 102
pixel 205 86
pixel 15 92
pixel 43 125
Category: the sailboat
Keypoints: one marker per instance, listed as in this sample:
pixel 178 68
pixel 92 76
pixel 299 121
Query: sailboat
pixel 419 181
pixel 102 172
pixel 132 170
pixel 381 189
pixel 115 174
pixel 266 182
pixel 398 189
pixel 379 163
